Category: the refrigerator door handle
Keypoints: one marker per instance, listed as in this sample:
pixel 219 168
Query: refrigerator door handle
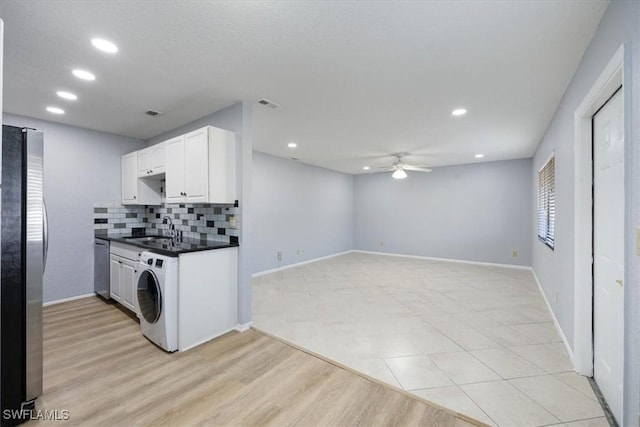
pixel 45 235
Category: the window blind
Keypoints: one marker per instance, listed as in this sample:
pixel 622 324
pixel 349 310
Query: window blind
pixel 547 203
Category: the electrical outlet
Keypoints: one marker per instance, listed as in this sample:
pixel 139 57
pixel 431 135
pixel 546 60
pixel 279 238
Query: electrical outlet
pixel 233 221
pixel 300 251
pixel 381 243
pixel 279 255
pixel 514 253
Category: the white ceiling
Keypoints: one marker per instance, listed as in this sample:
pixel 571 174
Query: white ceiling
pixel 355 80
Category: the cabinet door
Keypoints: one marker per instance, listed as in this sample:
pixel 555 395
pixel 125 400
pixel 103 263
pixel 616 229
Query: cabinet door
pixel 222 166
pixel 144 163
pixel 129 284
pixel 157 158
pixel 196 166
pixel 114 280
pixel 174 167
pixel 130 178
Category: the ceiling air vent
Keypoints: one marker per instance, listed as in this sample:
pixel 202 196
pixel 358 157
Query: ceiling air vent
pixel 268 103
pixel 153 113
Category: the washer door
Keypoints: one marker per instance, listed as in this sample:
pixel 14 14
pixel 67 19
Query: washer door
pixel 149 296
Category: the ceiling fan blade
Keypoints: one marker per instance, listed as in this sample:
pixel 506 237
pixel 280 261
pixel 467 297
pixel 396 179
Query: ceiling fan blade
pixel 417 168
pixel 387 168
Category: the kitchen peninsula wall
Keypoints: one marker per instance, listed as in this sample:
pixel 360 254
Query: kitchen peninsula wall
pixel 196 221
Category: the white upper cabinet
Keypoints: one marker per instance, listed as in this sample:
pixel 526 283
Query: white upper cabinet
pixel 175 169
pixel 201 167
pixel 151 161
pixel 137 191
pixel 222 166
pixel 130 178
pixel 198 167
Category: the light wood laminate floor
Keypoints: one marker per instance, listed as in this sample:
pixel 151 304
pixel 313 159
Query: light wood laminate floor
pixel 476 339
pixel 99 367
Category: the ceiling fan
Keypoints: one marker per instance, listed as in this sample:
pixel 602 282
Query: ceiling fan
pixel 399 167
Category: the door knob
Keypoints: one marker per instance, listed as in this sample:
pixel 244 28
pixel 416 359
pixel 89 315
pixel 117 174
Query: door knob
pixel 619 282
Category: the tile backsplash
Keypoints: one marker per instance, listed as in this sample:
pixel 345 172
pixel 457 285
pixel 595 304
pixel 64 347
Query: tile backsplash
pixel 196 221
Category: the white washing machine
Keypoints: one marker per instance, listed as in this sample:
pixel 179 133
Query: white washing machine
pixel 157 298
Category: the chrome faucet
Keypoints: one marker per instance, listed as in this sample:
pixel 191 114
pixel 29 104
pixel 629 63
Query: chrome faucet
pixel 172 231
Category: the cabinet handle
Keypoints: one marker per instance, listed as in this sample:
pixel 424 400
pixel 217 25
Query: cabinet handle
pixel 151 171
pixel 134 197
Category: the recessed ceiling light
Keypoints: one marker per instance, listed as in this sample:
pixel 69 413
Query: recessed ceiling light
pixel 104 45
pixel 292 145
pixel 55 110
pixel 66 95
pixel 83 74
pixel 459 112
pixel 366 168
pixel 479 156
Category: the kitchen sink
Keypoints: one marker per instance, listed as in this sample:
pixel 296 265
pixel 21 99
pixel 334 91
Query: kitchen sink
pixel 159 239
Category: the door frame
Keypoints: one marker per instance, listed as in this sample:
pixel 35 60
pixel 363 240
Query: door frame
pixel 612 77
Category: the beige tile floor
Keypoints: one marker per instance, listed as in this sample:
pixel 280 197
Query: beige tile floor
pixel 476 339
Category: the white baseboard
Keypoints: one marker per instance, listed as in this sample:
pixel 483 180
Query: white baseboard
pixel 60 301
pixel 462 261
pixel 286 267
pixel 555 320
pixel 244 326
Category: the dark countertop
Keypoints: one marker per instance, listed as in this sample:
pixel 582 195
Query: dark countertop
pixel 173 249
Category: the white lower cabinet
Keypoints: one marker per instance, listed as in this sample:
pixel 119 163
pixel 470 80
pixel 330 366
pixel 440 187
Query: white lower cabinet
pixel 114 278
pixel 124 274
pixel 123 281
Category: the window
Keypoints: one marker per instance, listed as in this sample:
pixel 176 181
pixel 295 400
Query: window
pixel 547 203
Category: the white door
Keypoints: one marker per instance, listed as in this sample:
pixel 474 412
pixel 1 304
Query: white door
pixel 608 250
pixel 174 168
pixel 129 178
pixel 128 285
pixel 157 158
pixel 144 163
pixel 114 278
pixel 196 166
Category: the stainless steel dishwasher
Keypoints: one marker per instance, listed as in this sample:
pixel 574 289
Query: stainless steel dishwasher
pixel 101 269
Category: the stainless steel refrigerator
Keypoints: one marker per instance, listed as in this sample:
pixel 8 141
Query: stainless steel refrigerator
pixel 23 238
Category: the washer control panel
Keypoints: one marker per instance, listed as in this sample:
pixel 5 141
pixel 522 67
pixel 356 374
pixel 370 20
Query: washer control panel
pixel 151 260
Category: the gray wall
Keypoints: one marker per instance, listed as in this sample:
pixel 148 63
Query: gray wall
pixel 476 212
pixel 236 118
pixel 299 206
pixel 81 167
pixel 620 24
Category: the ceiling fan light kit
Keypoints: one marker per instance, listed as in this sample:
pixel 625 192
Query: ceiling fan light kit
pixel 400 168
pixel 399 174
